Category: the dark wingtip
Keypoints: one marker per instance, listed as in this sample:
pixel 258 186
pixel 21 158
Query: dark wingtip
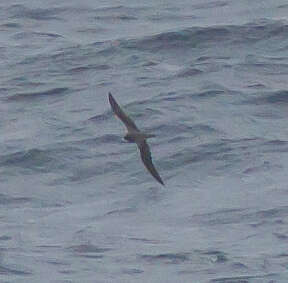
pixel 160 181
pixel 111 99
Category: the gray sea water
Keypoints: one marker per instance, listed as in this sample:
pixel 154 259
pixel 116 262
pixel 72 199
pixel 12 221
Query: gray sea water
pixel 207 77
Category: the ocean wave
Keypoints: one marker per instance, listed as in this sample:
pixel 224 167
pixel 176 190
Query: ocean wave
pixel 278 97
pixel 32 159
pixel 195 37
pixel 167 258
pixel 11 200
pixel 21 11
pixel 28 96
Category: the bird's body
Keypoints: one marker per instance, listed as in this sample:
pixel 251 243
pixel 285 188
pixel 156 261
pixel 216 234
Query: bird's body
pixel 134 135
pixel 137 136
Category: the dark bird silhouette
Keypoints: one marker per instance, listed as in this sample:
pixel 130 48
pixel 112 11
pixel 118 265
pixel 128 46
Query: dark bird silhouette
pixel 136 136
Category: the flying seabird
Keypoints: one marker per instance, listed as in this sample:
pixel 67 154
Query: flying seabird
pixel 136 136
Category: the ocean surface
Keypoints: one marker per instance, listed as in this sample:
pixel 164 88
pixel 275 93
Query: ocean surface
pixel 208 77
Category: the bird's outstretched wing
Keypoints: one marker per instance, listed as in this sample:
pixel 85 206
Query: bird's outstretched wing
pixel 121 114
pixel 147 160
